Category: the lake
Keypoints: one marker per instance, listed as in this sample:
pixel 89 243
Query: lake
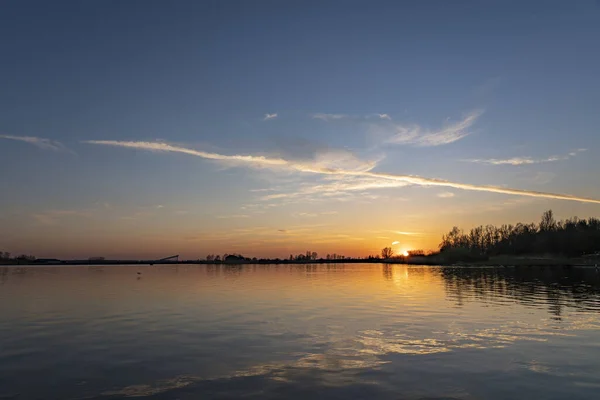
pixel 354 331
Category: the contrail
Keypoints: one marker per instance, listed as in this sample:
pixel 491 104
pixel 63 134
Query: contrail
pixel 159 146
pixel 308 168
pixel 417 180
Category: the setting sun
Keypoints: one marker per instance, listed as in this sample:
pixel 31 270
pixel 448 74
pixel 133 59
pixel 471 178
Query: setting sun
pixel 405 253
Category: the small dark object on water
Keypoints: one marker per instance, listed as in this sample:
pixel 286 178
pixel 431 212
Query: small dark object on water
pixel 139 273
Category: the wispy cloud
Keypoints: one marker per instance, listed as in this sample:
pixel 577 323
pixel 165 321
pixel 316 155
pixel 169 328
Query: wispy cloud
pixel 329 117
pixel 445 195
pixel 270 116
pixel 338 186
pixel 42 143
pixel 488 86
pixel 407 233
pixel 141 212
pixel 325 168
pixel 333 117
pixel 53 216
pixel 416 135
pixel 515 161
pixel 503 205
pixel 395 242
pixel 233 216
pixel 537 177
pixel 263 190
pixel 312 215
pixel 304 215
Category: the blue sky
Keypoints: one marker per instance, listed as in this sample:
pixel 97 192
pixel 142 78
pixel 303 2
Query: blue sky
pixel 104 107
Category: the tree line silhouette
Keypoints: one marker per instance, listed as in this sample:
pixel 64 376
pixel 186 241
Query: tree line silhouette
pixel 572 237
pixel 308 256
pixel 5 258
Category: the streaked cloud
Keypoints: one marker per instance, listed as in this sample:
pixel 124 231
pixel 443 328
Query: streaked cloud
pixel 445 195
pixel 336 160
pixel 337 186
pixel 164 147
pixel 312 214
pixel 263 190
pixel 357 117
pixel 422 181
pixel 305 215
pixel 537 177
pixel 233 216
pixel 525 160
pixel 395 243
pixel 416 135
pixel 325 167
pixel 53 216
pixel 488 86
pixel 270 116
pixel 42 143
pixel 502 205
pixel 407 233
pixel 329 117
pixel 140 212
pixel 325 161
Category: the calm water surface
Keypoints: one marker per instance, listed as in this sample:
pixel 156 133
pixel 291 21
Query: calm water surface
pixel 304 331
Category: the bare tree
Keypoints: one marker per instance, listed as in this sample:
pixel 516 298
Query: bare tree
pixel 548 223
pixel 387 252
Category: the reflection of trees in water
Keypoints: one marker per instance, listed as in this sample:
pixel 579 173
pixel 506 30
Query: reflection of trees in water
pixel 557 287
pixel 235 270
pixel 394 272
pixel 388 273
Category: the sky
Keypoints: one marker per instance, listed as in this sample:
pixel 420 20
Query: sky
pixel 143 129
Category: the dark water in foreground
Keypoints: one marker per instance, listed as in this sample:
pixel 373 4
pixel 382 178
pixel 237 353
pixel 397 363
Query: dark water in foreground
pixel 345 331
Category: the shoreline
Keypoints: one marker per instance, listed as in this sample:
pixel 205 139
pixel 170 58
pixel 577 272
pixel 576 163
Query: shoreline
pixel 500 261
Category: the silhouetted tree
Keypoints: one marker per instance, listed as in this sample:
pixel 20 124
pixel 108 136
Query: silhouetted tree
pixel 547 224
pixel 387 252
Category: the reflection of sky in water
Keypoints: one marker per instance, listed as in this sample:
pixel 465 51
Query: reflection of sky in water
pixel 351 331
